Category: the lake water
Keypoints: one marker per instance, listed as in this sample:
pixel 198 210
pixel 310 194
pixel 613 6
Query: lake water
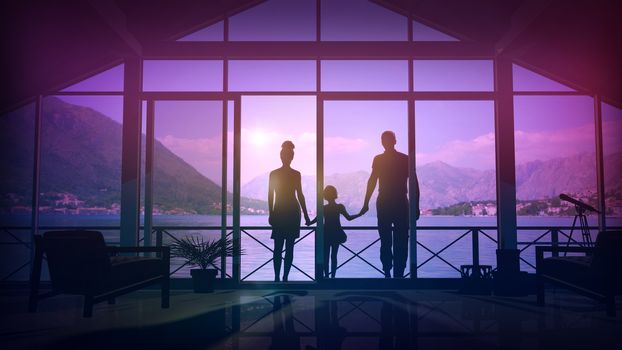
pixel 257 255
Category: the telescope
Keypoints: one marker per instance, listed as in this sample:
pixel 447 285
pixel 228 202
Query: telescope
pixel 578 203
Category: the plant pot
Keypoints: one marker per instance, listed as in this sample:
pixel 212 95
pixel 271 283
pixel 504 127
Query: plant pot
pixel 203 280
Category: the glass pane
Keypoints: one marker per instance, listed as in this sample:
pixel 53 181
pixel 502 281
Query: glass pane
pixel 526 80
pixel 555 154
pixel 422 32
pixel 108 80
pixel 361 20
pixel 275 20
pixel 17 161
pixel 182 75
pixel 17 147
pixel 81 162
pixel 455 143
pixel 266 123
pixel 351 141
pixel 454 75
pixel 264 75
pixel 360 75
pixel 188 170
pixel 214 32
pixel 612 149
pixel 187 158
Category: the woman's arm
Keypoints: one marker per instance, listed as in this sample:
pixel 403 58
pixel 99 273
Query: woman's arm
pixel 270 199
pixel 301 199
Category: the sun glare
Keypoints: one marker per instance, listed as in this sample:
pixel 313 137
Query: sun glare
pixel 259 138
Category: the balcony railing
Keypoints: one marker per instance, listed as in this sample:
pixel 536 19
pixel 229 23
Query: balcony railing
pixel 428 250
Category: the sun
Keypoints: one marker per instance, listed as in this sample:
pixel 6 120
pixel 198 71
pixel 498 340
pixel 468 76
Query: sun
pixel 259 138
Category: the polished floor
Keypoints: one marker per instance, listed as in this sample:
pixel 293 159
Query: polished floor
pixel 312 319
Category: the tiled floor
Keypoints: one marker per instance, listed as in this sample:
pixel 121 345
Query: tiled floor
pixel 315 319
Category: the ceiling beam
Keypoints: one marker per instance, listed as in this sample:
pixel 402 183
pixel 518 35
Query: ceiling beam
pixel 313 50
pixel 116 19
pixel 522 18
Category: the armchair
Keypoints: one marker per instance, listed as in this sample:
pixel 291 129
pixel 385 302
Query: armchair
pixel 597 274
pixel 80 263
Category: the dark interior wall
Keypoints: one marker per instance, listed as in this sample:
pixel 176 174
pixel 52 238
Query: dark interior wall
pixel 49 44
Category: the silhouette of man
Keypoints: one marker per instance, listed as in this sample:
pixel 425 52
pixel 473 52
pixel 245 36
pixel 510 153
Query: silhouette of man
pixel 390 170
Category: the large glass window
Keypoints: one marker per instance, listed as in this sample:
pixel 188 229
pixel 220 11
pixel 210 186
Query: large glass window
pixel 275 20
pixel 182 75
pixel 80 171
pixel 612 149
pixel 364 75
pixel 453 75
pixel 17 161
pixel 455 142
pixel 271 75
pixel 267 121
pixel 361 20
pixel 187 171
pixel 351 141
pixel 555 154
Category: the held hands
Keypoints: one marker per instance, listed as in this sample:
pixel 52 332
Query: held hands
pixel 364 210
pixel 308 221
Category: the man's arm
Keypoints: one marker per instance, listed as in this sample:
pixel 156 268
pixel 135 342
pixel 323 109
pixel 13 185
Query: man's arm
pixel 371 186
pixel 416 193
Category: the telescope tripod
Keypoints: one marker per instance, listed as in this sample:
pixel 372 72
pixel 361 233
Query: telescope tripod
pixel 583 226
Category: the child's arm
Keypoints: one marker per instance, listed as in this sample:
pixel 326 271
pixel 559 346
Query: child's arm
pixel 346 215
pixel 312 221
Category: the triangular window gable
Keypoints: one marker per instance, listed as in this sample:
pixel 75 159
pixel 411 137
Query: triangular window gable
pixel 527 80
pixel 422 32
pixel 275 20
pixel 110 80
pixel 361 20
pixel 214 32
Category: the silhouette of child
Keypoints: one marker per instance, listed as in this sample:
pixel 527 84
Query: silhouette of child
pixel 333 232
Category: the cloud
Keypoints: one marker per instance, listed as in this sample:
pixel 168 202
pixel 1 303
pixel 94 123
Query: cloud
pixel 343 145
pixel 479 152
pixel 204 154
pixel 208 148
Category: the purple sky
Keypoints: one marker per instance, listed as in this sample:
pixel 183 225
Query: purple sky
pixel 460 133
pixel 457 132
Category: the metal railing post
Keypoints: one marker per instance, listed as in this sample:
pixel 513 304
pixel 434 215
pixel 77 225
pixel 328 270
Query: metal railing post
pixel 158 237
pixel 555 240
pixel 475 247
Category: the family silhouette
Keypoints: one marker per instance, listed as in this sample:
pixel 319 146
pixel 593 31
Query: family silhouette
pixel 286 200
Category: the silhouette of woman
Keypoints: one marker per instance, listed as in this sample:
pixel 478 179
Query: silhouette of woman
pixel 285 185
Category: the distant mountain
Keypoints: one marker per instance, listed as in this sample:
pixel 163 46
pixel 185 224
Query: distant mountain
pixel 81 155
pixel 442 184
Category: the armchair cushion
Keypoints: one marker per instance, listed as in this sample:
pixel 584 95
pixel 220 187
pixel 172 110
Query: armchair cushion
pixel 125 270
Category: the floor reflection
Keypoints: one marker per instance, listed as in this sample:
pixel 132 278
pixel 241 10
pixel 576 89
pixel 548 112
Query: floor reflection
pixel 320 319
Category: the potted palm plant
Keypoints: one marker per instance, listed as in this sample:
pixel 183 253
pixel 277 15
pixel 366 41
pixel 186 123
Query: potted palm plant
pixel 205 254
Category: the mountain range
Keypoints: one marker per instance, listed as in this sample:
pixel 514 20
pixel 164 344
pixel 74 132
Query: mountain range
pixel 81 156
pixel 442 185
